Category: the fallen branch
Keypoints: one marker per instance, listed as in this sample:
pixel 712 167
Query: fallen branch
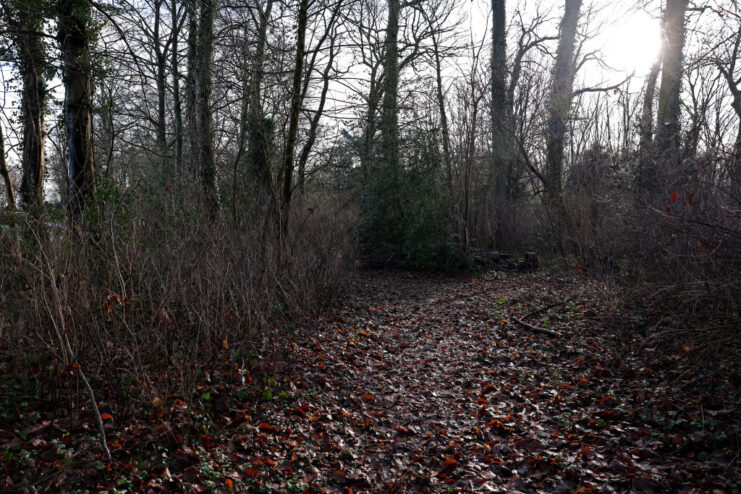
pixel 547 307
pixel 536 328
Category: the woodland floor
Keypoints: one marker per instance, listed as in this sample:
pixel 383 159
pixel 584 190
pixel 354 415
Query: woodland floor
pixel 413 383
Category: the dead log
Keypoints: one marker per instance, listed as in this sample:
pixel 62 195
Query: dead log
pixel 537 329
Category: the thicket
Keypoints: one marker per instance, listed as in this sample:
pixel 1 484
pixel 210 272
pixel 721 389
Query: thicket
pixel 149 289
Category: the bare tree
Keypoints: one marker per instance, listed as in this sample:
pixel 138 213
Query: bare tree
pixel 500 115
pixel 295 110
pixel 668 137
pixel 331 32
pixel 177 20
pixel 204 120
pixel 390 115
pixel 562 93
pixel 25 22
pixel 729 71
pixel 75 38
pixel 646 129
pixel 258 128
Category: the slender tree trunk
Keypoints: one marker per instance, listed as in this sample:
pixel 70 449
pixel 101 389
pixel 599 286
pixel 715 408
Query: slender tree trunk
pixel 500 118
pixel 558 112
pixel 311 138
pixel 9 192
pixel 242 132
pixel 204 119
pixel 160 56
pixel 298 70
pixel 176 104
pixel 27 39
pixel 728 70
pixel 646 176
pixel 390 116
pixel 190 82
pixel 329 32
pixel 74 36
pixel 445 129
pixel 34 134
pixel 561 95
pixel 668 137
pixel 736 163
pixel 369 131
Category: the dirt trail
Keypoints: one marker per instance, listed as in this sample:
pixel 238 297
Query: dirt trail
pixel 414 383
pixel 425 384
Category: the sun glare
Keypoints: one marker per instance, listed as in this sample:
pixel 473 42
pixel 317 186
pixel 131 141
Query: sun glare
pixel 632 44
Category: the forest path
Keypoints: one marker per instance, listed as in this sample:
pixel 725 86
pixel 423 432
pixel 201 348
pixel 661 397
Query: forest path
pixel 413 383
pixel 418 383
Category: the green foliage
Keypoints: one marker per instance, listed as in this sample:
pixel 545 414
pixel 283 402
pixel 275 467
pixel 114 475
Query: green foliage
pixel 405 211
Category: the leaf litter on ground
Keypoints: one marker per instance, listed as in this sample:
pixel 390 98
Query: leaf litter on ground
pixel 417 383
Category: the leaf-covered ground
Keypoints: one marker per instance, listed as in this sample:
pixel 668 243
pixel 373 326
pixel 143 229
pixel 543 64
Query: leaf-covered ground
pixel 414 383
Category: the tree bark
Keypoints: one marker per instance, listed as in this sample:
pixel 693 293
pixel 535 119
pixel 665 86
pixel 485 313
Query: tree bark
pixel 258 129
pixel 668 137
pixel 204 119
pixel 176 103
pixel 562 90
pixel 646 175
pixel 561 95
pixel 445 129
pixel 160 56
pixel 390 115
pixel 191 7
pixel 9 192
pixel 298 70
pixel 26 24
pixel 500 118
pixel 74 36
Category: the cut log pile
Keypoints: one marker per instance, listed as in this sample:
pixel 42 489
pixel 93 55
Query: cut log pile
pixel 508 262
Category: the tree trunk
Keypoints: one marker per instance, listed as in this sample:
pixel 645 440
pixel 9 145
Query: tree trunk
pixel 27 37
pixel 445 129
pixel 10 193
pixel 204 120
pixel 242 131
pixel 668 138
pixel 191 7
pixel 329 32
pixel 646 175
pixel 390 116
pixel 176 104
pixel 298 70
pixel 369 131
pixel 729 71
pixel 259 130
pixel 74 36
pixel 560 100
pixel 306 150
pixel 736 164
pixel 500 118
pixel 160 56
pixel 558 111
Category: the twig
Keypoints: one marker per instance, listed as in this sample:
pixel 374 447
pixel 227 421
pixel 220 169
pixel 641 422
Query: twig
pixel 536 328
pixel 66 348
pixel 543 309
